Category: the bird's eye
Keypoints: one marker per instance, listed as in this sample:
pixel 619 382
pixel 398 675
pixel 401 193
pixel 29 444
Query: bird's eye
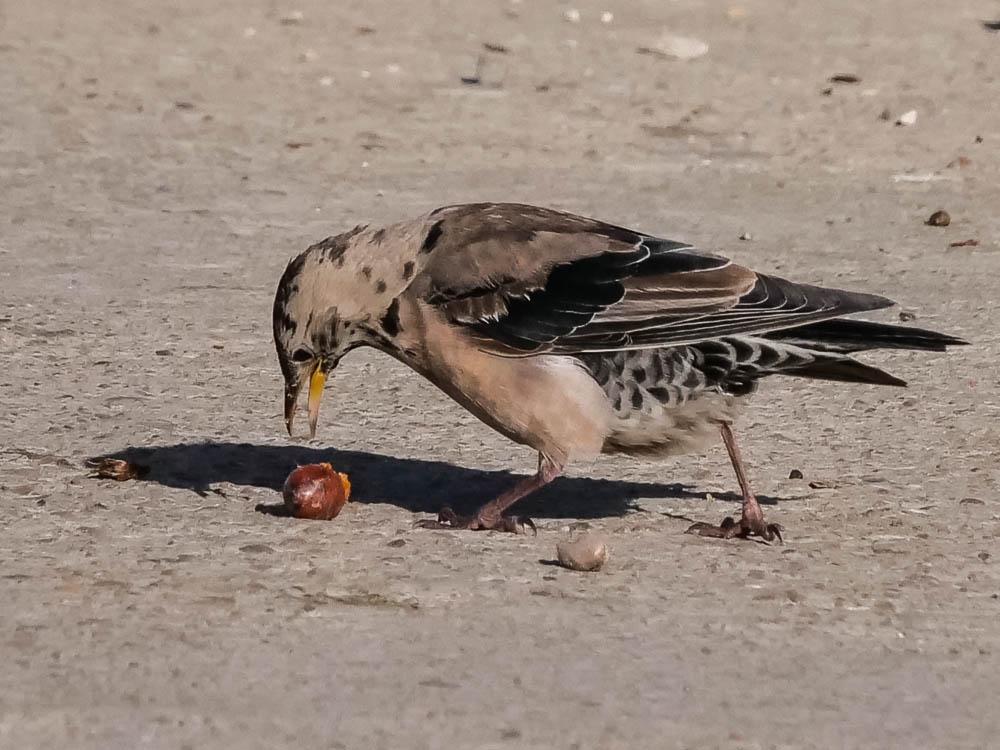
pixel 301 355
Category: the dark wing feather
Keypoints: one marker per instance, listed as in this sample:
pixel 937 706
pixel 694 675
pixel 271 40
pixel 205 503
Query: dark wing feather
pixel 525 280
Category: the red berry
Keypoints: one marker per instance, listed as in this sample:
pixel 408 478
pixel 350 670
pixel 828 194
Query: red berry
pixel 316 491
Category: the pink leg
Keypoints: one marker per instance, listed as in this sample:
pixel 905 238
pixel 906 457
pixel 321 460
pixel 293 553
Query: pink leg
pixel 752 519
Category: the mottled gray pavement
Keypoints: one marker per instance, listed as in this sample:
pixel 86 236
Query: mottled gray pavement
pixel 159 163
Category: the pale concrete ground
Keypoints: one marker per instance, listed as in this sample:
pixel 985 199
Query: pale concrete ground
pixel 148 202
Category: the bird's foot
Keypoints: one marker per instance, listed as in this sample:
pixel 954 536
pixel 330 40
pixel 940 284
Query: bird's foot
pixel 749 525
pixel 449 519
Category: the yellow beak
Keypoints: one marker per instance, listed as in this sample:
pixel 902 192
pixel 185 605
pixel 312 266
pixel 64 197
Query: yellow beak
pixel 316 382
pixel 317 379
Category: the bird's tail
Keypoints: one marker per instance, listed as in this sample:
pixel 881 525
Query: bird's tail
pixel 844 336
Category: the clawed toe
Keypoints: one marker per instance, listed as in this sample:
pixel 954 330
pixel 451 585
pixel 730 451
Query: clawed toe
pixel 742 529
pixel 725 530
pixel 449 519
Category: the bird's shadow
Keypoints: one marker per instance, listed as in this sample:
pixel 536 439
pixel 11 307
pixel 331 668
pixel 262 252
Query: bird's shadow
pixel 416 485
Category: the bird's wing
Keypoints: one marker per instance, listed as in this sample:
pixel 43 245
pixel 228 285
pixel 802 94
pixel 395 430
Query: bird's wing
pixel 524 280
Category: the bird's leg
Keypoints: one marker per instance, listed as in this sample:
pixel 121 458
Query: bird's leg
pixel 490 516
pixel 752 520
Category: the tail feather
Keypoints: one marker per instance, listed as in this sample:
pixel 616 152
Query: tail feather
pixel 845 336
pixel 845 370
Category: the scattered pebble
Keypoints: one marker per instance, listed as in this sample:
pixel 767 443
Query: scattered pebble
pixel 572 15
pixel 494 47
pixel 819 484
pixel 607 16
pixel 922 177
pixel 676 47
pixel 392 69
pixel 795 474
pixel 326 81
pixel 907 118
pixel 476 78
pixel 746 236
pixel 308 55
pixel 587 552
pixel 291 18
pixel 991 25
pixel 961 162
pixel 906 316
pixel 885 115
pixel 938 219
pixel 965 243
pixel 249 32
pixel 845 78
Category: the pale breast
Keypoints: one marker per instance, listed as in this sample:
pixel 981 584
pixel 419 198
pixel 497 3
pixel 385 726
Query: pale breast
pixel 550 403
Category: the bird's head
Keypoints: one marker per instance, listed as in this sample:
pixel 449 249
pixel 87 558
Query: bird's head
pixel 322 310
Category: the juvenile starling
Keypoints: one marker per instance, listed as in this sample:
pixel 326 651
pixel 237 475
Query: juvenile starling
pixel 570 335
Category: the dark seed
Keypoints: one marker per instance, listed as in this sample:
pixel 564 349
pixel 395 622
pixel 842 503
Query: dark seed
pixel 938 219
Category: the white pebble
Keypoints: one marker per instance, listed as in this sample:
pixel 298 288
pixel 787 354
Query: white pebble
pixel 326 81
pixel 249 32
pixel 680 47
pixel 392 68
pixel 907 118
pixel 607 16
pixel 587 552
pixel 572 15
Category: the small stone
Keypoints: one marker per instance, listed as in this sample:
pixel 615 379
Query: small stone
pixel 587 552
pixel 746 236
pixel 845 78
pixel 572 15
pixel 906 316
pixel 964 243
pixel 971 501
pixel 677 47
pixel 607 16
pixel 326 81
pixel 795 474
pixel 907 118
pixel 292 18
pixel 938 219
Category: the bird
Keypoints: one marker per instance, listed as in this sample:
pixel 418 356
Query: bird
pixel 572 336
